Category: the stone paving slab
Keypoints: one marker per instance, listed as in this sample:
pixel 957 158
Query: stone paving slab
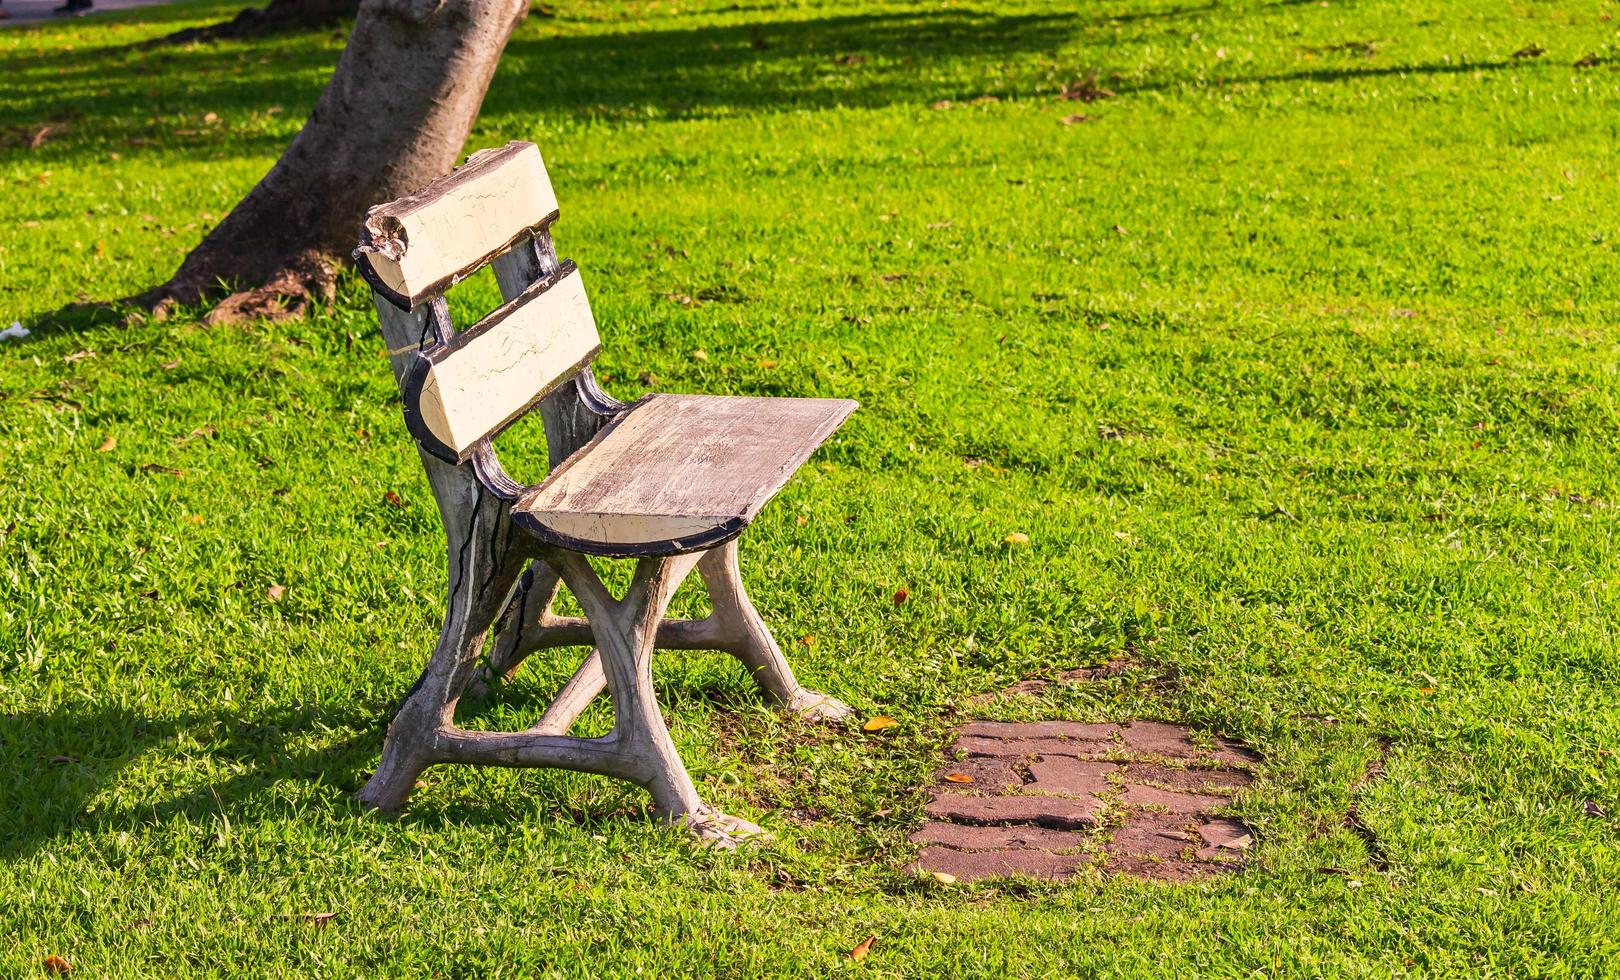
pixel 1061 812
pixel 1040 729
pixel 973 865
pixel 1072 777
pixel 1138 798
pixel 986 775
pixel 965 837
pixel 1028 748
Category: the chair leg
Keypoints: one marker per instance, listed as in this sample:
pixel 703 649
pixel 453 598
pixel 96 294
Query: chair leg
pixel 483 568
pixel 626 633
pixel 746 637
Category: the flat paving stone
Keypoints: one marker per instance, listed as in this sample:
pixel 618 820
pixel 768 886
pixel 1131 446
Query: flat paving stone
pixel 1161 835
pixel 1041 729
pixel 1173 802
pixel 991 776
pixel 973 865
pixel 1223 839
pixel 1187 780
pixel 965 837
pixel 1071 777
pixel 1061 812
pixel 1015 748
pixel 1158 738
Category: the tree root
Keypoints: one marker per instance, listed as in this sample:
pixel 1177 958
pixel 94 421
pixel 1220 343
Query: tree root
pixel 287 293
pixel 279 16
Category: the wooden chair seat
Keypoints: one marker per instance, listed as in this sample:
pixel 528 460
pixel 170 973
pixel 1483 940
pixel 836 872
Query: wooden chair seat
pixel 677 473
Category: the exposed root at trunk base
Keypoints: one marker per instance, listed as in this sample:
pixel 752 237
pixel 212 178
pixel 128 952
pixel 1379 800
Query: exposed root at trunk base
pixel 278 17
pixel 286 293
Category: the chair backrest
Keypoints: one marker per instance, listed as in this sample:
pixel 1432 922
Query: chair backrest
pixel 470 384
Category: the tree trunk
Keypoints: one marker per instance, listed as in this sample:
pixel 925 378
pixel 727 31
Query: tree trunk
pixel 394 116
pixel 276 16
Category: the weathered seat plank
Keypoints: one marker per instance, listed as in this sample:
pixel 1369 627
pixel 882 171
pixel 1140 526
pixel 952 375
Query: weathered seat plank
pixel 677 473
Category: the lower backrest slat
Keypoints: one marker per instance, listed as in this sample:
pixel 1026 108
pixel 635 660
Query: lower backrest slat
pixel 491 374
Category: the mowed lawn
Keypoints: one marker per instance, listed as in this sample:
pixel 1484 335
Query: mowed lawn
pixel 1295 359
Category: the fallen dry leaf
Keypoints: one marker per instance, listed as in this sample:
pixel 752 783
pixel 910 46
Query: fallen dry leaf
pixel 808 640
pixel 1086 90
pixel 79 356
pixel 879 723
pixel 943 878
pixel 700 355
pixel 1017 539
pixel 958 777
pixel 863 947
pixel 38 139
pixel 1593 810
pixel 393 498
pixel 194 518
pixel 108 445
pixel 275 592
pixel 56 964
pixel 170 365
pixel 1078 117
pixel 901 595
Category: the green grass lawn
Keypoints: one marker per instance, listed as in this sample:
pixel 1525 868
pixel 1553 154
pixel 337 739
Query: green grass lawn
pixel 1296 361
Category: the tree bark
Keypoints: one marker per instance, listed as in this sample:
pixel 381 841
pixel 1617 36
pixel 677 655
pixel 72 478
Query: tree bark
pixel 394 116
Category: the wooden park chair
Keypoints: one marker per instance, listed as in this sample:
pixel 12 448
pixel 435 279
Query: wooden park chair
pixel 669 481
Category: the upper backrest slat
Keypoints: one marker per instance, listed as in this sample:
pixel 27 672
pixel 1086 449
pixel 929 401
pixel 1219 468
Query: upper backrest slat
pixel 491 374
pixel 430 240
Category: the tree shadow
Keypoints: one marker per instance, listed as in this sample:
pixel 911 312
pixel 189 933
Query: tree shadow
pixel 60 760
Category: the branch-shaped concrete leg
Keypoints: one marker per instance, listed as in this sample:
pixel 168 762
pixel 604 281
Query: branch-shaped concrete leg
pixel 744 635
pixel 520 628
pixel 626 634
pixel 483 568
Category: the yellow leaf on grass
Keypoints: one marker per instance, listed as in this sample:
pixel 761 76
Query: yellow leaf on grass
pixel 863 947
pixel 943 878
pixel 107 446
pixel 1017 539
pixel 879 723
pixel 275 592
pixel 958 777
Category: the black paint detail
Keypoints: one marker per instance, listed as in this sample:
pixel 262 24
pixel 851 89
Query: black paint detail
pixel 712 538
pixel 460 571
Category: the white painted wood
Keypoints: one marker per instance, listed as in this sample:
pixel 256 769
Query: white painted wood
pixel 678 467
pixel 497 370
pixel 443 233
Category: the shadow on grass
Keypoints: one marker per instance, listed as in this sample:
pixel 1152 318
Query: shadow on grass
pixel 59 761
